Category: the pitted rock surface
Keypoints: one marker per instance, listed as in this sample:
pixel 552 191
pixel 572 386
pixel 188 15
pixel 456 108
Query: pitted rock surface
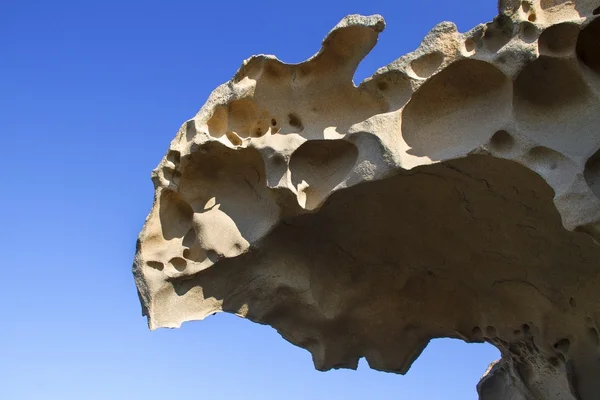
pixel 455 193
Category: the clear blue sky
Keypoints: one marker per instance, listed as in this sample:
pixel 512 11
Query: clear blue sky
pixel 91 93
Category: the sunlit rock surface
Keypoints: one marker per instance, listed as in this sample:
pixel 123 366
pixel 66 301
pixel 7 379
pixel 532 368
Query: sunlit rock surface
pixel 455 193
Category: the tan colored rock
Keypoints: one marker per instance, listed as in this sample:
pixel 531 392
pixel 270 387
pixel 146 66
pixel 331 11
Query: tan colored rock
pixel 455 193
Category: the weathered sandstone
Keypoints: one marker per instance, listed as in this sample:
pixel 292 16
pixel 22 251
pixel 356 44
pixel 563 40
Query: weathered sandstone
pixel 455 193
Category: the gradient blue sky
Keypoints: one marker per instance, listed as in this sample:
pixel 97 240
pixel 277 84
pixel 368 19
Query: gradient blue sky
pixel 91 93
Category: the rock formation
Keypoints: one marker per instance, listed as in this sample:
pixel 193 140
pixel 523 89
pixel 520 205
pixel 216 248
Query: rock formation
pixel 455 193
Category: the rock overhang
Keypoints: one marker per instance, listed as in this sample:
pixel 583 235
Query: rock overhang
pixel 452 194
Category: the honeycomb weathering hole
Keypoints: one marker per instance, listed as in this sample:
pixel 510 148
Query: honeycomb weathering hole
pixel 529 32
pixel 382 85
pixel 394 86
pixel 178 263
pixel 592 173
pixel 175 215
pixel 234 139
pixel 174 157
pixel 322 164
pixel 156 265
pixel 548 83
pixel 554 103
pixel 295 122
pixel 541 159
pixel 588 45
pixel 233 179
pixel 217 124
pixel 502 141
pixel 454 110
pixel 498 34
pixel 559 40
pixel 427 64
pixel 469 45
pixel 241 116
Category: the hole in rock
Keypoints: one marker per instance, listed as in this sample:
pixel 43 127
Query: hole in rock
pixel 190 130
pixel 382 85
pixel 277 159
pixel 498 33
pixel 477 335
pixel 195 253
pixel 572 302
pixel 234 138
pixel 594 336
pixel 243 117
pixel 553 103
pixel 233 179
pixel 258 132
pixel 543 158
pixel 176 177
pixel 558 40
pixel 394 85
pixel 175 215
pixel 591 173
pixel 295 121
pixel 174 157
pixel 427 64
pixel 588 45
pixel 549 83
pixel 322 164
pixel 217 124
pixel 193 250
pixel 596 11
pixel 469 45
pixel 156 265
pixel 528 32
pixel 178 263
pixel 494 41
pixel 455 110
pixel 562 345
pixel 502 141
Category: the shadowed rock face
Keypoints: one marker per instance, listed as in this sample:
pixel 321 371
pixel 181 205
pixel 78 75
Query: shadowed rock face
pixel 455 193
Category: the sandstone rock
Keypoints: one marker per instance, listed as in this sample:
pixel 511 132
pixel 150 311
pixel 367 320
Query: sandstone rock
pixel 455 193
